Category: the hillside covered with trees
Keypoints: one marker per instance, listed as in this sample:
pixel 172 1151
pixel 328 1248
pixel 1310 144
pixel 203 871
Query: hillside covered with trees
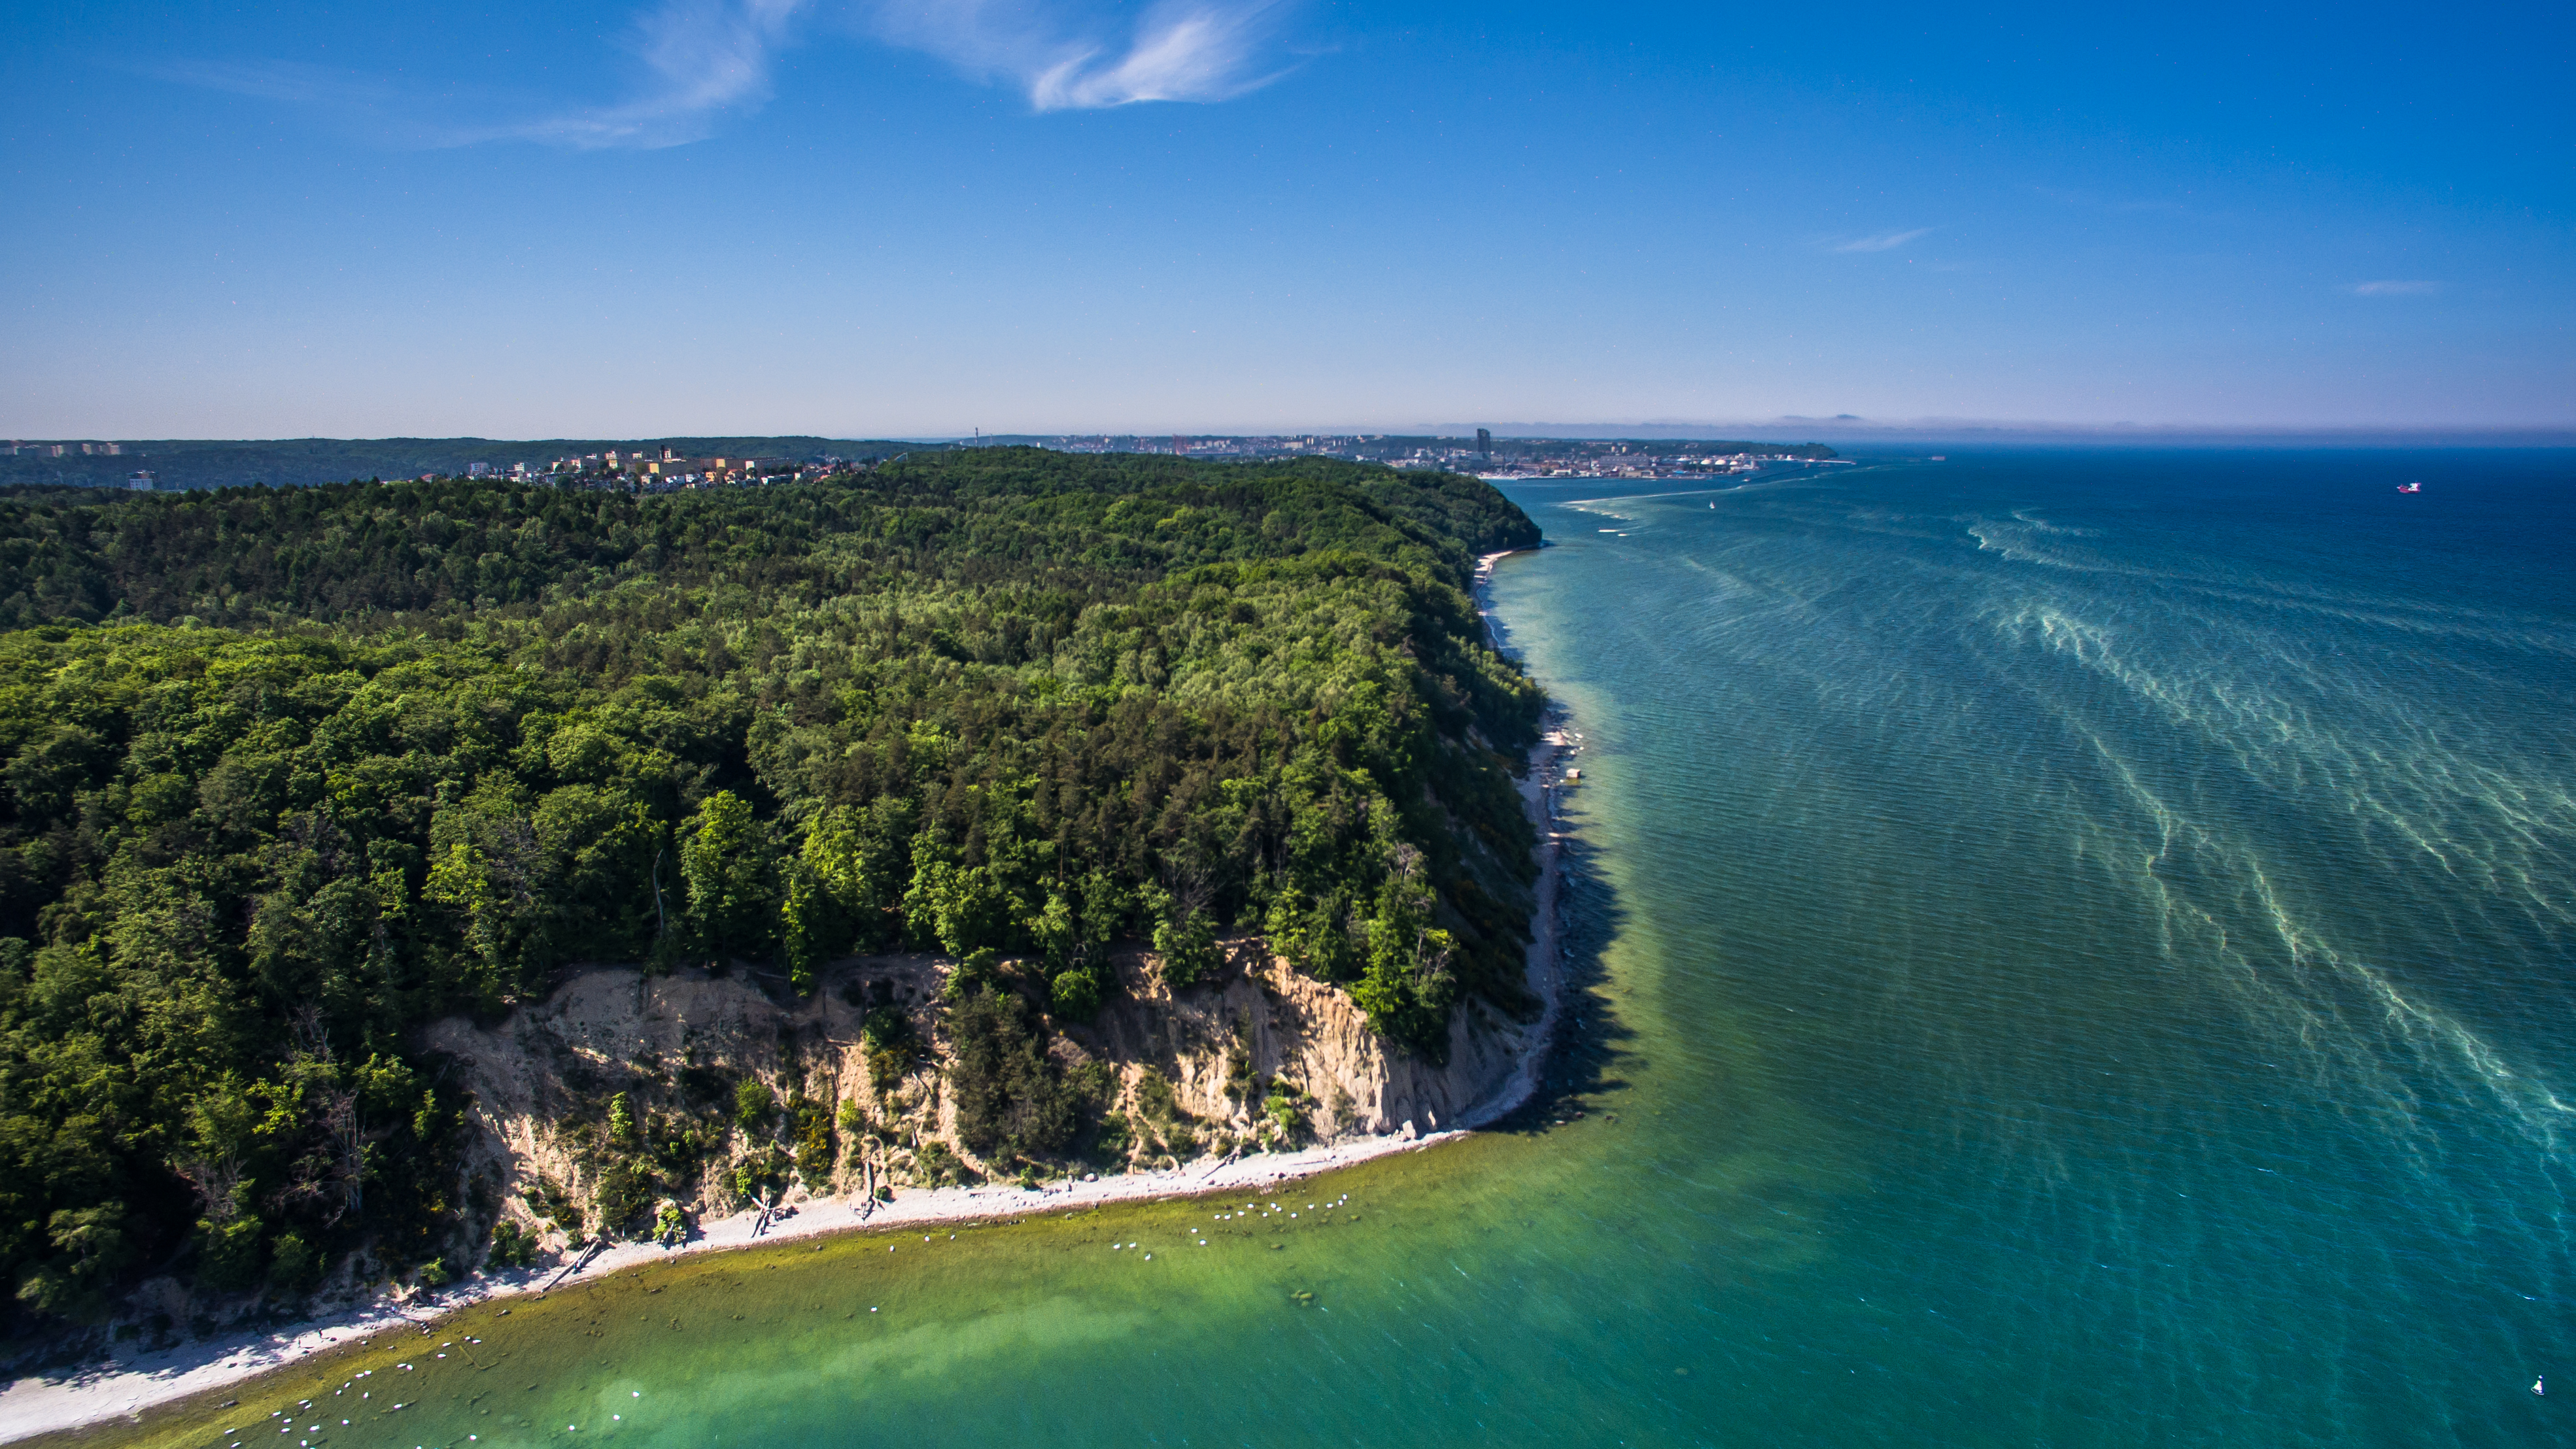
pixel 291 772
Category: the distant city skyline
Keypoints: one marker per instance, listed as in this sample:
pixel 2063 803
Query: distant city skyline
pixel 660 217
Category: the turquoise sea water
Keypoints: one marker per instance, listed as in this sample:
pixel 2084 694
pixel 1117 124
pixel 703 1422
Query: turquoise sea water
pixel 2139 889
pixel 2080 951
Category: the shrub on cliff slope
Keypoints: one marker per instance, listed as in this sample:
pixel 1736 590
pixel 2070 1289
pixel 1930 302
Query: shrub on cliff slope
pixel 1011 1101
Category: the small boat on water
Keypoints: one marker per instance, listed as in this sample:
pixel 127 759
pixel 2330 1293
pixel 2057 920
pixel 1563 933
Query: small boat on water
pixel 2410 487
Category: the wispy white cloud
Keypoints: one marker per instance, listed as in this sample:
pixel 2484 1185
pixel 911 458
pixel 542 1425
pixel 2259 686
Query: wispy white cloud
pixel 2394 289
pixel 696 61
pixel 277 80
pixel 1884 242
pixel 1073 57
pixel 701 59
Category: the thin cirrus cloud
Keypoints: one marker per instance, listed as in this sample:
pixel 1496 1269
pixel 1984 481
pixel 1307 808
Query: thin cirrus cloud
pixel 1068 58
pixel 695 61
pixel 698 61
pixel 2394 289
pixel 1883 242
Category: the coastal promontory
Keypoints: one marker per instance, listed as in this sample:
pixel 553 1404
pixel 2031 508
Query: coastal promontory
pixel 400 879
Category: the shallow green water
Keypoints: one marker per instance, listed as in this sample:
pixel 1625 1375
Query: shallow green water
pixel 2082 949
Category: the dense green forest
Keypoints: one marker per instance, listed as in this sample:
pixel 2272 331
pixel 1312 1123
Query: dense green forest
pixel 292 771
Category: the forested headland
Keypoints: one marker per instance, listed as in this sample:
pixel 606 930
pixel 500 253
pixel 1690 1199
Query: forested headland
pixel 290 772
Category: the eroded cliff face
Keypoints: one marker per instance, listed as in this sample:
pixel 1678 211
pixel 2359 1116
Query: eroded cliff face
pixel 622 1090
pixel 1305 1032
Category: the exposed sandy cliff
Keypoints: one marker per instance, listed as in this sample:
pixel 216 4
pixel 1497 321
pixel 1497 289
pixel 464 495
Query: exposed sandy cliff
pixel 1260 1056
pixel 1258 1043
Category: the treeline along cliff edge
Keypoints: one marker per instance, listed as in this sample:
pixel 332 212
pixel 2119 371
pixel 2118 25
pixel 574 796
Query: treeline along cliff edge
pixel 291 773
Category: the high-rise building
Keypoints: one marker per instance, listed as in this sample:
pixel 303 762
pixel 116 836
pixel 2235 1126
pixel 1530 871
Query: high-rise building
pixel 140 480
pixel 1484 443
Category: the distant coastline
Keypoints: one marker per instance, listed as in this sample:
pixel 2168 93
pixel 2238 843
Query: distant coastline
pixel 184 465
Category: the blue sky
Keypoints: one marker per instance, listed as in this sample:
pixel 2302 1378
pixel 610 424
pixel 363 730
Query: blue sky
pixel 914 217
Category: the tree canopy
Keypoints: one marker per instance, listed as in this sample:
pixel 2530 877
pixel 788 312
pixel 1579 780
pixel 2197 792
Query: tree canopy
pixel 290 772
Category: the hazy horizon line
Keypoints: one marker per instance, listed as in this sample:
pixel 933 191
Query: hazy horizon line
pixel 1749 430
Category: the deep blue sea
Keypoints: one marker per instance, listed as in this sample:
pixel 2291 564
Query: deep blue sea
pixel 2080 950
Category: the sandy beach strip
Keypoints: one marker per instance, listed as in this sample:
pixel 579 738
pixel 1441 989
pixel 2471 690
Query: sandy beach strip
pixel 96 1392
